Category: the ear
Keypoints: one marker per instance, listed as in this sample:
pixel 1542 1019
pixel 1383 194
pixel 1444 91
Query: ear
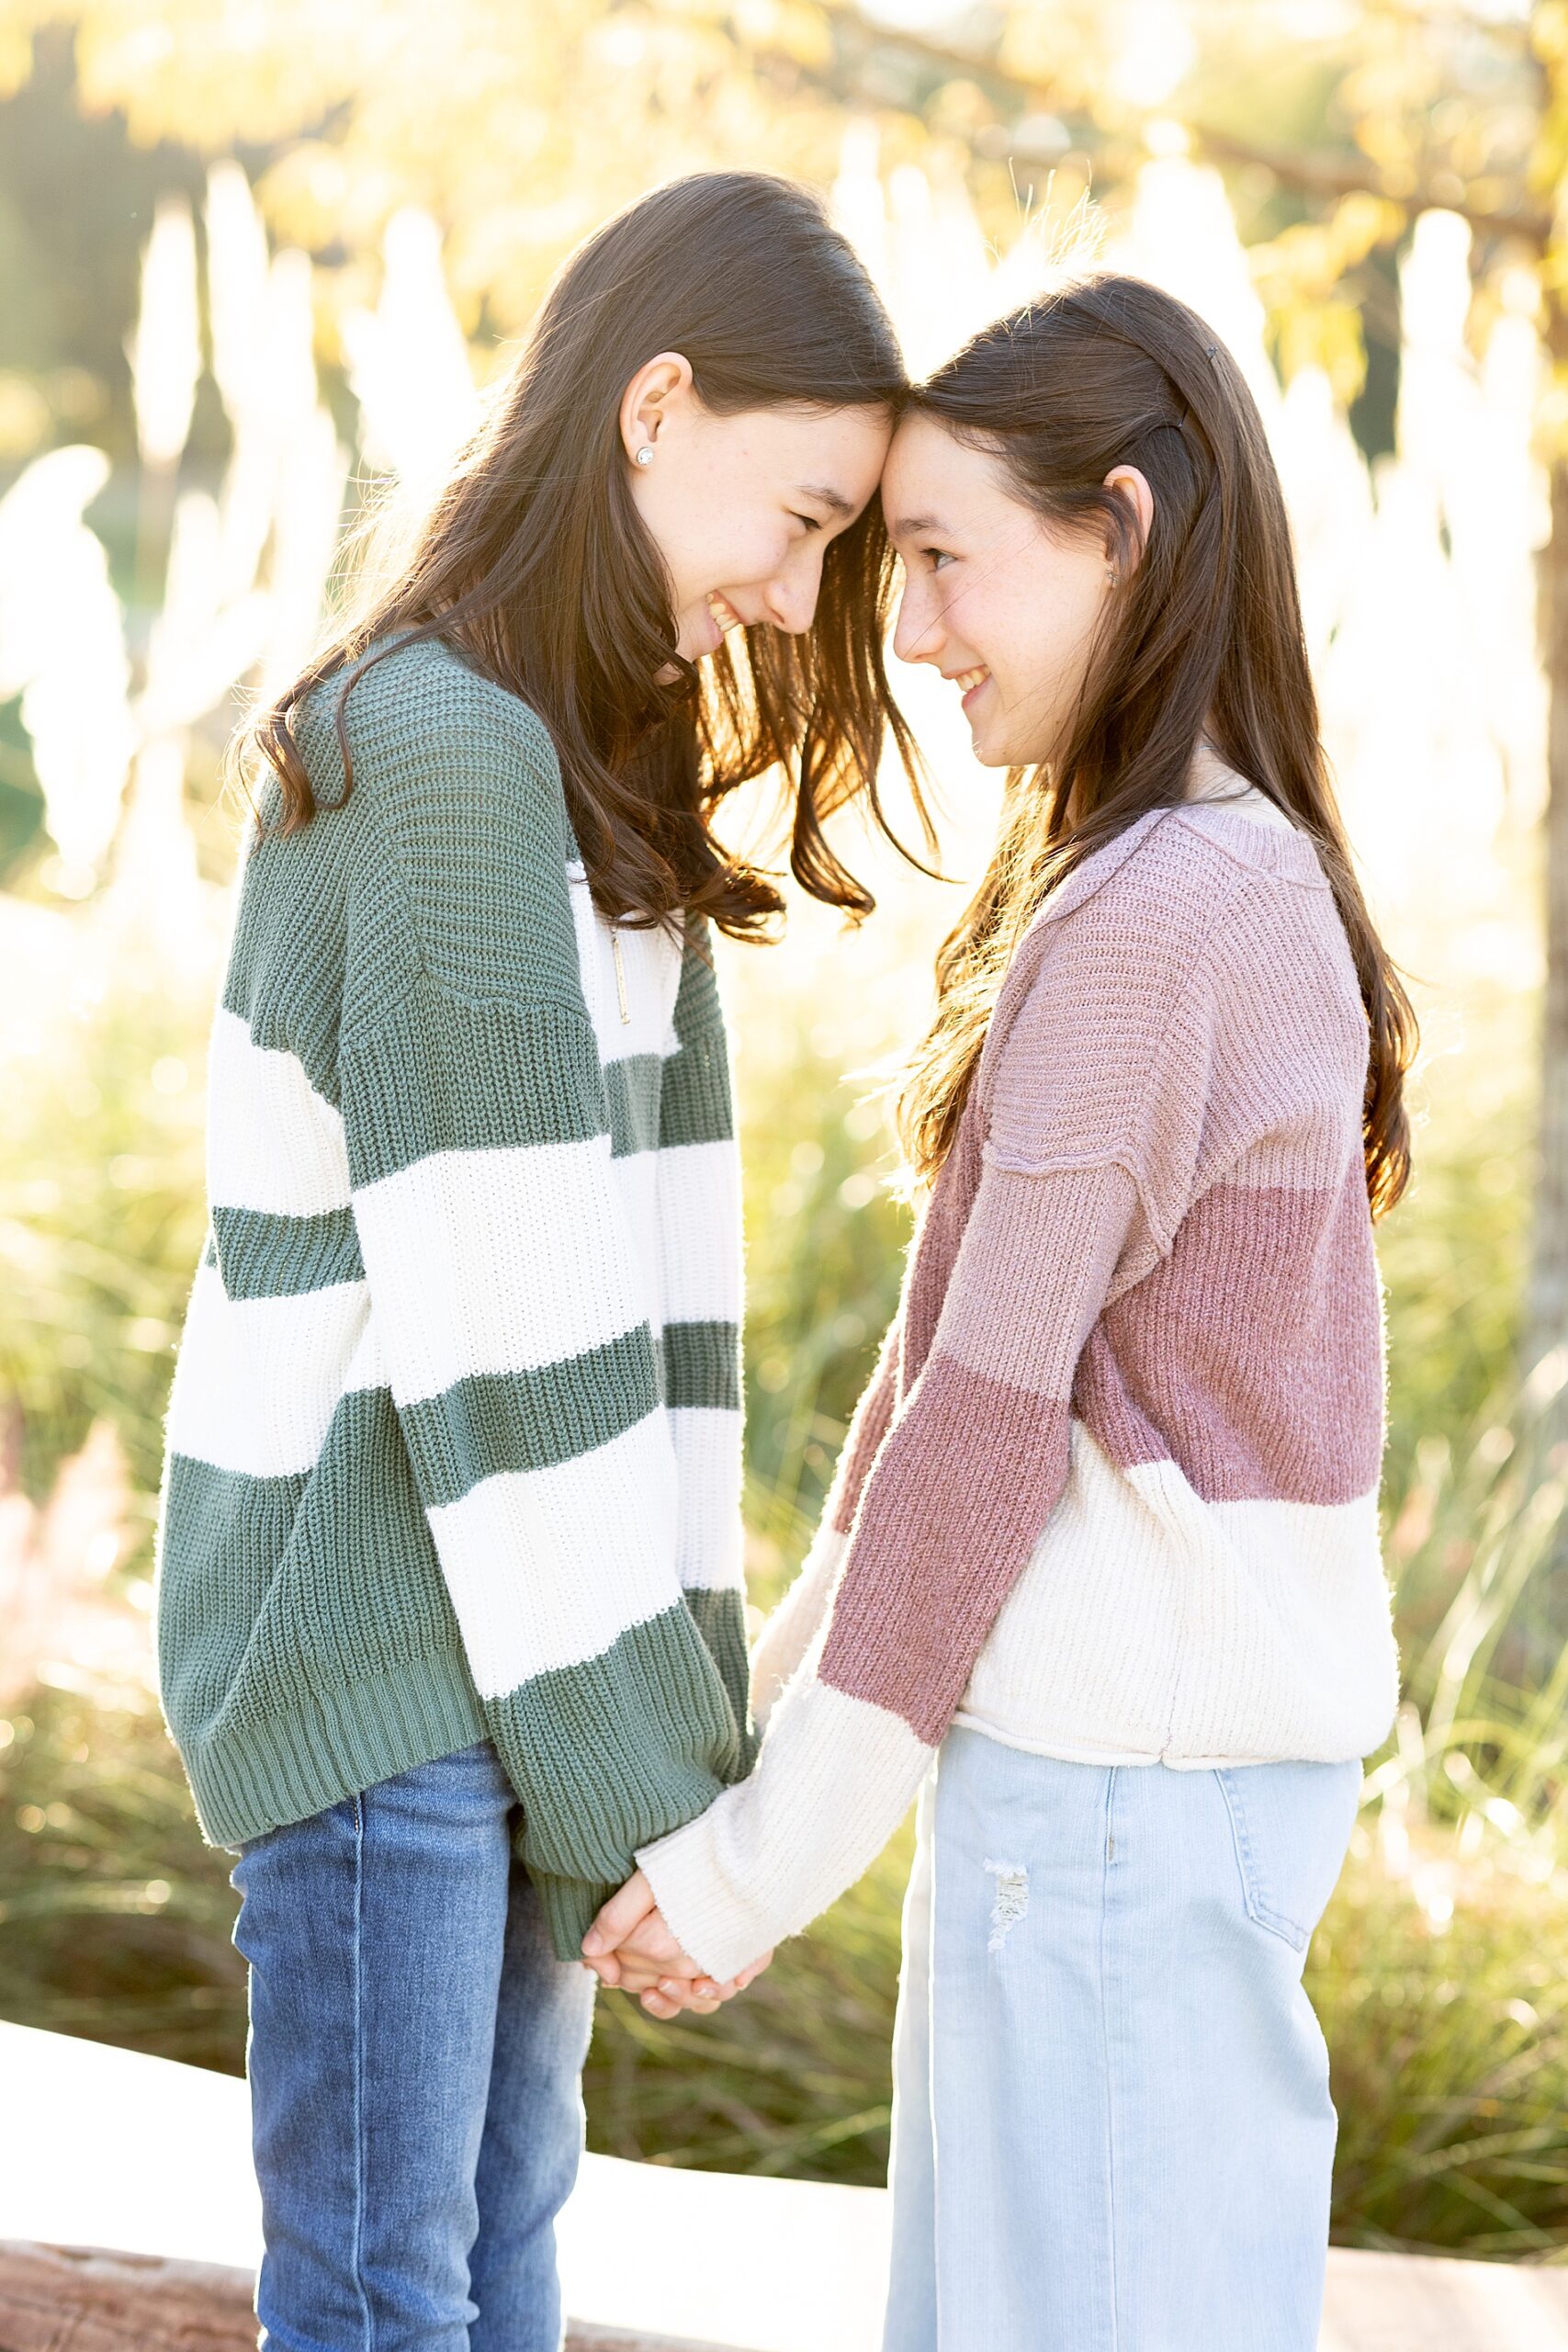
pixel 1131 488
pixel 659 386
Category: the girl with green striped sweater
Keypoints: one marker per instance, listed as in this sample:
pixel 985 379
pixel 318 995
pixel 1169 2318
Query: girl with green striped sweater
pixel 450 1605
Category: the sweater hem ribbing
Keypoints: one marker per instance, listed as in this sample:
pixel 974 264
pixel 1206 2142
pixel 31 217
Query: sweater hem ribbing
pixel 300 1761
pixel 1063 1748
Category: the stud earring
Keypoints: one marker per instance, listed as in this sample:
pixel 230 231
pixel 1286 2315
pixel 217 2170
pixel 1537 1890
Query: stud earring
pixel 1114 577
pixel 645 455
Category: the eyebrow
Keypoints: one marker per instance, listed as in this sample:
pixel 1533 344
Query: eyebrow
pixel 833 500
pixel 909 526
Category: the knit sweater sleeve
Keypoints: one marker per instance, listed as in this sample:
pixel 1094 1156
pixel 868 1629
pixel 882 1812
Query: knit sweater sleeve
pixel 1096 1092
pixel 507 1313
pixel 702 1282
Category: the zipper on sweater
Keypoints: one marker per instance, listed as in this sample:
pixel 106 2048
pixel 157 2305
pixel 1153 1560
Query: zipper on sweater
pixel 620 980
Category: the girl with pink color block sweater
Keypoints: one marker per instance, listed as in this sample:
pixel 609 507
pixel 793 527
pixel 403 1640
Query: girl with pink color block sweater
pixel 1101 1566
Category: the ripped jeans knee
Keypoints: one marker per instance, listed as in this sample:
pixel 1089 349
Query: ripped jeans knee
pixel 1010 1902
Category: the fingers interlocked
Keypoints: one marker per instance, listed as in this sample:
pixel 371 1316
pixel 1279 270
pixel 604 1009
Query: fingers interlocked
pixel 631 1947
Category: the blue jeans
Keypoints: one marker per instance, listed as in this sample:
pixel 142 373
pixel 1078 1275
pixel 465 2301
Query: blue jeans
pixel 1111 2126
pixel 414 2056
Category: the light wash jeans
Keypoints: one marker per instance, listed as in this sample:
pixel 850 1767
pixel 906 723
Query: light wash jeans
pixel 1111 2126
pixel 414 2056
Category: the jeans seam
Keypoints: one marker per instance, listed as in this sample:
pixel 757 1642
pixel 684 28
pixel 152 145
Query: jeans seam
pixel 357 2067
pixel 1106 1866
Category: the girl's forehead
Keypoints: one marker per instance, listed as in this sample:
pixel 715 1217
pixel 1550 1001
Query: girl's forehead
pixel 917 431
pixel 930 473
pixel 923 445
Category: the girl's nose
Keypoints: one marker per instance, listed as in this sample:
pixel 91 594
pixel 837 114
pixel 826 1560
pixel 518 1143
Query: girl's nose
pixel 792 605
pixel 918 633
pixel 792 594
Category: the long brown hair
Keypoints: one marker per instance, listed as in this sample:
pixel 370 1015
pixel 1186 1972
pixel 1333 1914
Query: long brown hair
pixel 1204 637
pixel 533 562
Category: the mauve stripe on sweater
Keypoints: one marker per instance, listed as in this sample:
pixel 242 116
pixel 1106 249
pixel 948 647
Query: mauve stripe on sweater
pixel 1246 1357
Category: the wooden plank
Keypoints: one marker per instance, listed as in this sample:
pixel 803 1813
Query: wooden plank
pixel 77 2298
pixel 92 2302
pixel 82 2298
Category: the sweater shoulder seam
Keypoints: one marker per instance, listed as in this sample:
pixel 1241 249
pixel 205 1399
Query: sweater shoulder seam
pixel 1069 1163
pixel 469 1001
pixel 393 863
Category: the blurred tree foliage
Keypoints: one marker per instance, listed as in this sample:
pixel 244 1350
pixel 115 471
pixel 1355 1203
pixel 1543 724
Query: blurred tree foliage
pixel 102 1213
pixel 76 200
pixel 520 127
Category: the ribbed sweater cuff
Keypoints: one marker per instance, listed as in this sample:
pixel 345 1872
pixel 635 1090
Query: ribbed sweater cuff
pixel 570 1906
pixel 713 1926
pixel 831 1784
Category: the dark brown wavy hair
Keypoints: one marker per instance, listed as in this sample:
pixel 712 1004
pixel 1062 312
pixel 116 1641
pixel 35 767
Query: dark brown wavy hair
pixel 1205 636
pixel 533 562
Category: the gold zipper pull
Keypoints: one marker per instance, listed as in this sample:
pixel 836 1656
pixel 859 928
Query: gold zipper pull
pixel 620 979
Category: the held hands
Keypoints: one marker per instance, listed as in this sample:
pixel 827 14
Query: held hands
pixel 630 1947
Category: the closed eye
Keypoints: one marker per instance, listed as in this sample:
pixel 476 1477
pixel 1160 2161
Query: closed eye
pixel 810 521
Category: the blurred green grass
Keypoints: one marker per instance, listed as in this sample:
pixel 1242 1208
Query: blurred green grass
pixel 101 1190
pixel 1442 1971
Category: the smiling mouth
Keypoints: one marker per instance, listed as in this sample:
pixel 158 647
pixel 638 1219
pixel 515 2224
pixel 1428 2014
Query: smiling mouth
pixel 723 614
pixel 967 681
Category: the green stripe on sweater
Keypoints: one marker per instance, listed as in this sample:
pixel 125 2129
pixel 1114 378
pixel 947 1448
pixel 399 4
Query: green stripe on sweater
pixel 261 1255
pixel 696 1106
pixel 273 1590
pixel 442 1075
pixel 633 1086
pixel 501 1422
pixel 702 1365
pixel 720 1616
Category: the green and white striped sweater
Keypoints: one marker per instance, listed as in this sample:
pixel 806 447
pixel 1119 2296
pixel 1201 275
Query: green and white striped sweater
pixel 453 1447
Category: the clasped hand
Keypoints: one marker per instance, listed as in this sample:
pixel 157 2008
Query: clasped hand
pixel 630 1947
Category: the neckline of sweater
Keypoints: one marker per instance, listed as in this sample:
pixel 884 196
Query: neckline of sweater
pixel 1283 849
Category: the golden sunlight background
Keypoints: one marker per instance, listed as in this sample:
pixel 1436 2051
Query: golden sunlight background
pixel 340 218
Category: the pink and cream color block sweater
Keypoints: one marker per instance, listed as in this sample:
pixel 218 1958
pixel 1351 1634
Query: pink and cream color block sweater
pixel 1112 1493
